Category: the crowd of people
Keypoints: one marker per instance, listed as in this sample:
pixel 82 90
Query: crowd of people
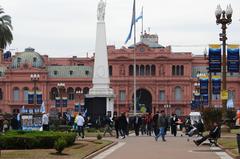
pixel 155 125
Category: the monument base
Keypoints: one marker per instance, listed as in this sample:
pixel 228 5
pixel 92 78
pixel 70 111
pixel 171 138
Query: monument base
pixel 99 105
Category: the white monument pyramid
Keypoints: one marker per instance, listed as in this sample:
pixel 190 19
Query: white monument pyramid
pixel 101 79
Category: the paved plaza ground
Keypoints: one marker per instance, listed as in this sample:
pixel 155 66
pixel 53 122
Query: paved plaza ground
pixel 145 147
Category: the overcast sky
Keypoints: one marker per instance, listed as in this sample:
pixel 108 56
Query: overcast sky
pixel 63 28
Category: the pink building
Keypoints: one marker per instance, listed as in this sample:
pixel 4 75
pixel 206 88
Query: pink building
pixel 165 79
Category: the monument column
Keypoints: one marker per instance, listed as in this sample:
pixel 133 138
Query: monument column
pixel 101 79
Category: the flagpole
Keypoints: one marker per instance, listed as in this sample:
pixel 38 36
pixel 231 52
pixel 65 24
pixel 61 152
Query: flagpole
pixel 142 20
pixel 134 61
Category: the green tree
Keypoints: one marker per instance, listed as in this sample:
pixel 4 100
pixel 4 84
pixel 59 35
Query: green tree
pixel 6 36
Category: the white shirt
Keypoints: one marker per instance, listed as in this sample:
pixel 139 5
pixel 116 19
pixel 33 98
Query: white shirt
pixel 80 120
pixel 45 119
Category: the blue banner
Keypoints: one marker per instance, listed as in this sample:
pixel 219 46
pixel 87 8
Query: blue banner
pixel 216 85
pixel 57 102
pixel 64 101
pixel 30 97
pixel 205 99
pixel 203 86
pixel 233 58
pixel 39 98
pixel 214 58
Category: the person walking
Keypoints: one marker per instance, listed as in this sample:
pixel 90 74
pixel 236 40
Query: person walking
pixel 155 123
pixel 149 124
pixel 116 124
pixel 108 125
pixel 161 124
pixel 123 125
pixel 173 123
pixel 137 121
pixel 45 122
pixel 80 124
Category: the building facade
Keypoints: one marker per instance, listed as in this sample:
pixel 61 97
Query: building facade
pixel 164 79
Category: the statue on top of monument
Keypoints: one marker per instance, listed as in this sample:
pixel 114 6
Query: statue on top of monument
pixel 101 10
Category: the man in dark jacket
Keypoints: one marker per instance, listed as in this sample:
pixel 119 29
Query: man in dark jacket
pixel 116 124
pixel 108 125
pixel 155 120
pixel 173 122
pixel 161 124
pixel 137 122
pixel 123 125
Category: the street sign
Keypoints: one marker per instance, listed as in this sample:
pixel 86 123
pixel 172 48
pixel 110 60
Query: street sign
pixel 233 58
pixel 224 94
pixel 214 58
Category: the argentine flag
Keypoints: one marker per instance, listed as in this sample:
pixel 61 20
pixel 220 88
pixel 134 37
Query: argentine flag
pixel 132 23
pixel 140 16
pixel 134 20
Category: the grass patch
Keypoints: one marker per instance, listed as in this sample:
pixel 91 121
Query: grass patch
pixel 228 143
pixel 79 150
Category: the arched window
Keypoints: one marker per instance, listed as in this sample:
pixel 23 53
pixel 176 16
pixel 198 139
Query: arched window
pixel 178 93
pixel 137 70
pixel 231 94
pixel 173 70
pixel 53 93
pixel 130 70
pixel 16 94
pixel 142 70
pixel 153 70
pixel 25 94
pixel 182 70
pixel 85 90
pixel 1 94
pixel 110 70
pixel 147 70
pixel 78 89
pixel 178 70
pixel 70 93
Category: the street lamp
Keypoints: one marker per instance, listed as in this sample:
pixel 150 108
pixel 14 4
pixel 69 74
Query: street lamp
pixel 209 80
pixel 80 95
pixel 35 77
pixel 166 106
pixel 224 18
pixel 61 88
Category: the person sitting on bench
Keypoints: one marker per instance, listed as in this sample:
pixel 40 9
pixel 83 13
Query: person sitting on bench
pixel 214 133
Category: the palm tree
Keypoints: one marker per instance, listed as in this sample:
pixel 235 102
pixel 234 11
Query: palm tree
pixel 5 30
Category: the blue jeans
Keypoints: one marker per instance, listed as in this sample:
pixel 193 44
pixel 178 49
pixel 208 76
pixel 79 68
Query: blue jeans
pixel 161 133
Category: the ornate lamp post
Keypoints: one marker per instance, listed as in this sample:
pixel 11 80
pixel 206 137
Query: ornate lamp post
pixel 61 88
pixel 224 18
pixel 35 77
pixel 80 95
pixel 209 80
pixel 167 106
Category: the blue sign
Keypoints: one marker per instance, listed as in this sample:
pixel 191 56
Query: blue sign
pixel 39 98
pixel 57 102
pixel 30 98
pixel 216 86
pixel 203 86
pixel 214 58
pixel 205 99
pixel 233 59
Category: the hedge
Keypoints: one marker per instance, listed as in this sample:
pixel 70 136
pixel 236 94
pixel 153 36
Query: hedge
pixel 34 139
